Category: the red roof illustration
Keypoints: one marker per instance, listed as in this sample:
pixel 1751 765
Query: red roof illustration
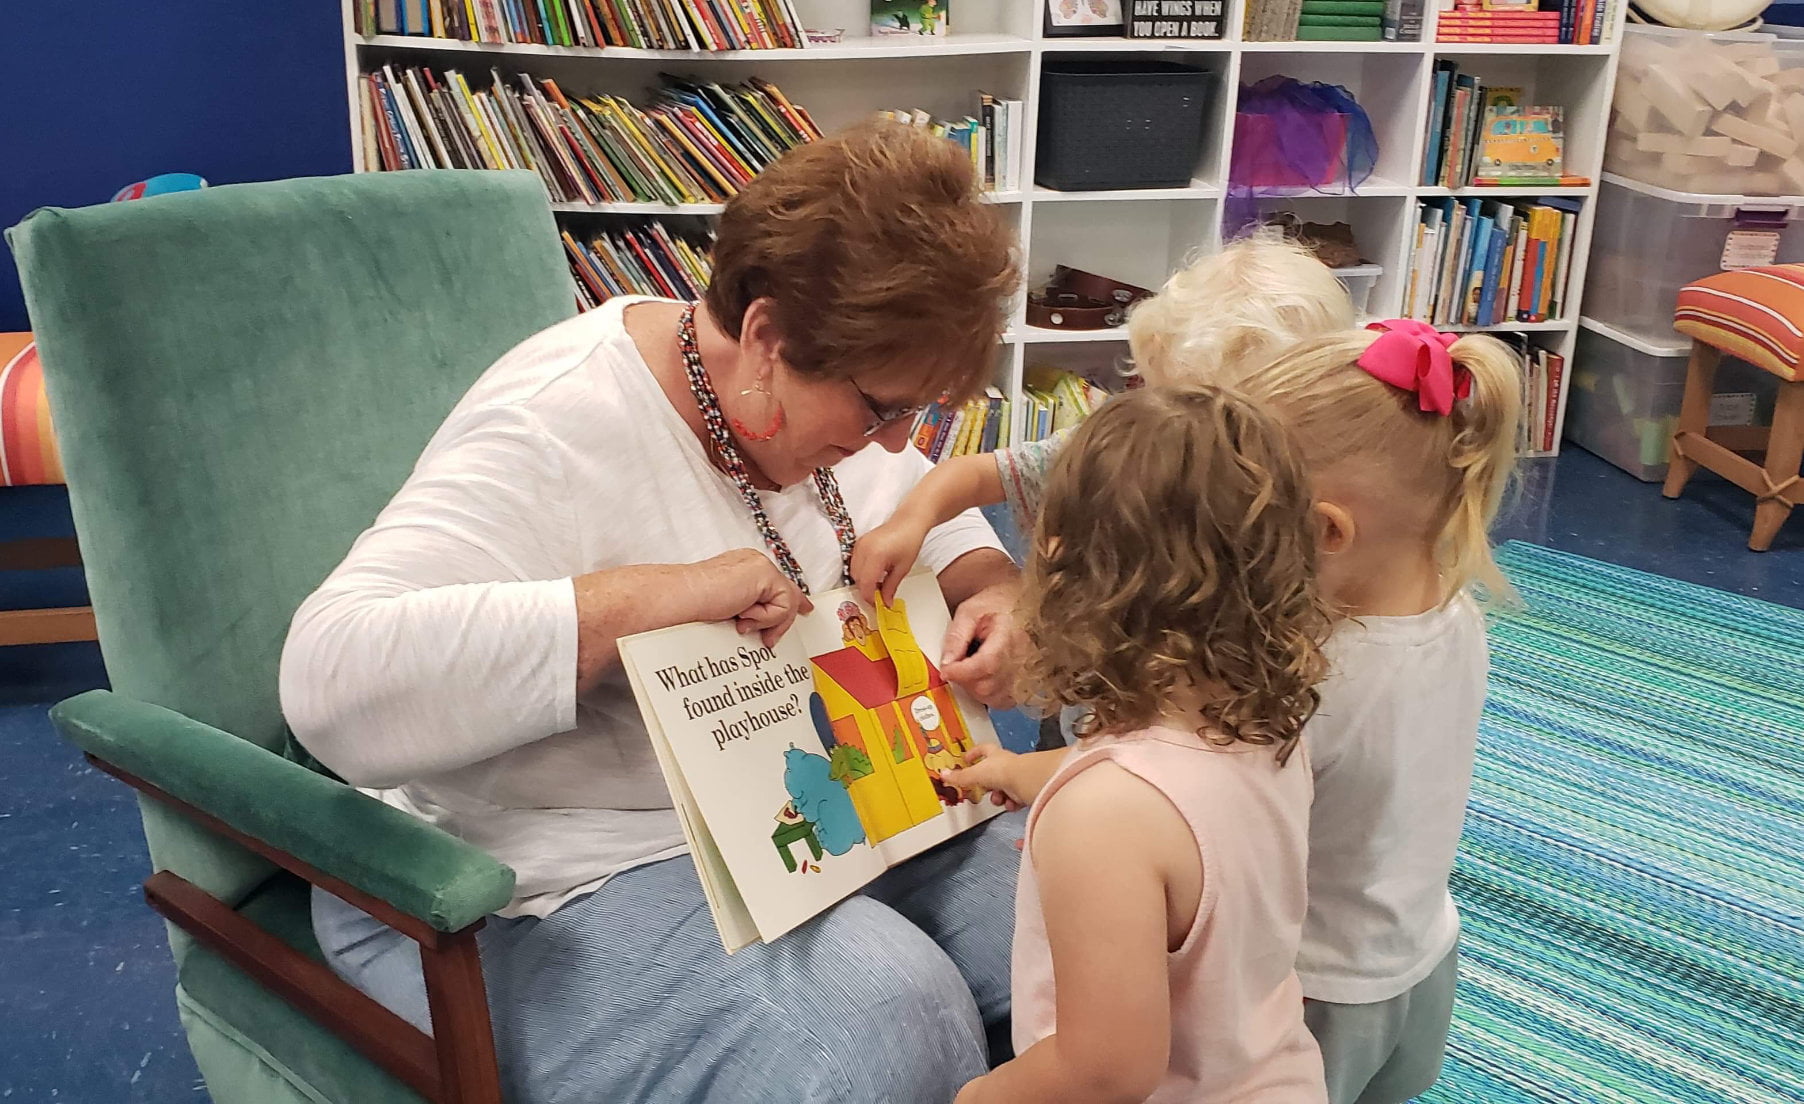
pixel 872 681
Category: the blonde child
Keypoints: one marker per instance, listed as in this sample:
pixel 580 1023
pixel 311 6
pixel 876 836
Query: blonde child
pixel 1410 438
pixel 1171 593
pixel 1258 295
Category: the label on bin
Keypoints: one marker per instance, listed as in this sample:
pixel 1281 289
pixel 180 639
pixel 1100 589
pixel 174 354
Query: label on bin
pixel 1750 248
pixel 1732 409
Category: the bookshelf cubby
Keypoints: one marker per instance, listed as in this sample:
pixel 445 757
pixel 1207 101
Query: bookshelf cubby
pixel 1139 236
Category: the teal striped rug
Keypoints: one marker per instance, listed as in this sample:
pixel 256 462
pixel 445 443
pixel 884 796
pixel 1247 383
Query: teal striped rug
pixel 1632 874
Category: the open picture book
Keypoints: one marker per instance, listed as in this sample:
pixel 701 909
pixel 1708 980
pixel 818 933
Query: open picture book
pixel 804 771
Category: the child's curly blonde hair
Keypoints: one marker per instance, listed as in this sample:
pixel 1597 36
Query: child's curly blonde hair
pixel 1259 295
pixel 1174 561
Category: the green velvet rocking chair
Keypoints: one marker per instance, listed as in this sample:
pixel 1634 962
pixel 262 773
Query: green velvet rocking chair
pixel 240 379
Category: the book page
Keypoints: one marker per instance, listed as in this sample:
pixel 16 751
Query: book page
pixel 811 767
pixel 886 702
pixel 731 918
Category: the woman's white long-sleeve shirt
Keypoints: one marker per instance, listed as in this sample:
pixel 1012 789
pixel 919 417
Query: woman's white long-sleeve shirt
pixel 436 666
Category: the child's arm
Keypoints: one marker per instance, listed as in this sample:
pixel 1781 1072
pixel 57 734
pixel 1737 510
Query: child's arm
pixel 1103 850
pixel 885 555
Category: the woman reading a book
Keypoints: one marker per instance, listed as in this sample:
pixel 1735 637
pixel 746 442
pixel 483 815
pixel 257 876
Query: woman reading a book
pixel 648 464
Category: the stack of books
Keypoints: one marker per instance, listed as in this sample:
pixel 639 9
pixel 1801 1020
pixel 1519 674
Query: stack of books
pixel 1543 376
pixel 1479 262
pixel 696 142
pixel 643 258
pixel 1403 20
pixel 1546 22
pixel 1271 20
pixel 992 137
pixel 641 24
pixel 1055 400
pixel 983 424
pixel 1486 137
pixel 1341 21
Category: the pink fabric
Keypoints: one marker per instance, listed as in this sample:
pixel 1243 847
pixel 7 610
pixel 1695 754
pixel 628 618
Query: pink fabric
pixel 1237 1032
pixel 1413 355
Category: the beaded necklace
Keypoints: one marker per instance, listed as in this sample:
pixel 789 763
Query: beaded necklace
pixel 722 442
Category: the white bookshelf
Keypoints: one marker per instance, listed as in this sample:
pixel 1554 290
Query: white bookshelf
pixel 1139 236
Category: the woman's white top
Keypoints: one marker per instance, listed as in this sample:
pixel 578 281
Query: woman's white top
pixel 436 666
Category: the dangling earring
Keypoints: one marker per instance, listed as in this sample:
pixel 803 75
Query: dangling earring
pixel 773 424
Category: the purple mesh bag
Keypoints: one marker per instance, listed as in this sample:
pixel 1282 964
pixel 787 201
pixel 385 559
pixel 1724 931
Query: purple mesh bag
pixel 1291 136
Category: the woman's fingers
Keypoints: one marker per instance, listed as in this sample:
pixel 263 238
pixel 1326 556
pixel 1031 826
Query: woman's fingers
pixel 776 604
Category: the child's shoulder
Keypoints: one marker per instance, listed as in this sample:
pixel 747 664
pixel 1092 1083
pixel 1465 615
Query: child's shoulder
pixel 1102 793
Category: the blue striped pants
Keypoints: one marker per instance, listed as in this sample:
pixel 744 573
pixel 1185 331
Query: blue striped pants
pixel 625 994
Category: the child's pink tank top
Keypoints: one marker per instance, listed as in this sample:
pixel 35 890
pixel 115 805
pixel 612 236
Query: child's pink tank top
pixel 1237 1031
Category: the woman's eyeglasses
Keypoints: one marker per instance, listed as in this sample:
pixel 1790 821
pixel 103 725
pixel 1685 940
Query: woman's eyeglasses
pixel 883 415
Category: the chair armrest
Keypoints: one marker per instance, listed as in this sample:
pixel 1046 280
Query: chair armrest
pixel 380 851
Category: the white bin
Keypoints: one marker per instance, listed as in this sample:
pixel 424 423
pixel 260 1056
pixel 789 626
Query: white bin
pixel 1649 242
pixel 1359 280
pixel 1626 394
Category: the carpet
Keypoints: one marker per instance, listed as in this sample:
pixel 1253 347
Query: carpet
pixel 1631 879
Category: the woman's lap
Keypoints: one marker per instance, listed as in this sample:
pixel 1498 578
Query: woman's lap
pixel 627 995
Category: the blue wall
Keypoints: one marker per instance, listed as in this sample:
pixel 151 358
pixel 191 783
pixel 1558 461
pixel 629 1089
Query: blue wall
pixel 107 92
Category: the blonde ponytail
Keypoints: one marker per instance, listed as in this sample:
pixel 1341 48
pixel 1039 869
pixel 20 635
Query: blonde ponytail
pixel 1459 466
pixel 1483 453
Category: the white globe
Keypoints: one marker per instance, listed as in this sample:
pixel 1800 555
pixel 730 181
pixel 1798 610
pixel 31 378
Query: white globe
pixel 1703 15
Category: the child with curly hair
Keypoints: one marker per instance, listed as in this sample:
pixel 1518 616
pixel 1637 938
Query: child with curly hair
pixel 1171 594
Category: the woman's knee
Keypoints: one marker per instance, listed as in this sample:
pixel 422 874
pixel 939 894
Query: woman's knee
pixel 886 1005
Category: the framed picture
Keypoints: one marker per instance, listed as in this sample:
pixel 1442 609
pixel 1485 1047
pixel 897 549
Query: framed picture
pixel 1084 19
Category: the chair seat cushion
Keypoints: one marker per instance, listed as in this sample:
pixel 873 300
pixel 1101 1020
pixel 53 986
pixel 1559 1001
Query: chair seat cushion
pixel 28 455
pixel 306 1051
pixel 1755 313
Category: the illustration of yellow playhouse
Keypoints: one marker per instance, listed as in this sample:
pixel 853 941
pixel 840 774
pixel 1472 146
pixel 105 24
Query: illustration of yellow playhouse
pixel 894 722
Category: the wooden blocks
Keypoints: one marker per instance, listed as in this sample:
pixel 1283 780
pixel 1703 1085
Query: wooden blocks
pixel 1764 138
pixel 1682 109
pixel 1701 114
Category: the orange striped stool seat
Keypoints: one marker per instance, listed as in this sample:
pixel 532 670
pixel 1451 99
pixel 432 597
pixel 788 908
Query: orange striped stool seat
pixel 1756 314
pixel 28 453
pixel 28 456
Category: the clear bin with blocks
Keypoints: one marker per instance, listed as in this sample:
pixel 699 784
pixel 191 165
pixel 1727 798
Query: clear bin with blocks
pixel 1626 394
pixel 1649 242
pixel 1719 113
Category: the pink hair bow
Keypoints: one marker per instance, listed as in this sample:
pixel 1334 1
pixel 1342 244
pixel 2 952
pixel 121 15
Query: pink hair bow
pixel 1413 355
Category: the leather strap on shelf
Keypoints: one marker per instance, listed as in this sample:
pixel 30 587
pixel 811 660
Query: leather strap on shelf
pixel 1078 300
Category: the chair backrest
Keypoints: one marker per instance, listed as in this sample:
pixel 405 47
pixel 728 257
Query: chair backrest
pixel 241 377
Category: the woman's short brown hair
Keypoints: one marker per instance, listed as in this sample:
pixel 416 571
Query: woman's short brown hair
pixel 877 255
pixel 1175 558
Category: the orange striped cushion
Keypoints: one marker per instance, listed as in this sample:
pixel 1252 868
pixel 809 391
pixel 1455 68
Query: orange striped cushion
pixel 1755 313
pixel 27 450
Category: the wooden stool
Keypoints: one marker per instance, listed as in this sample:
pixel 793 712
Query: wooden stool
pixel 28 456
pixel 1756 314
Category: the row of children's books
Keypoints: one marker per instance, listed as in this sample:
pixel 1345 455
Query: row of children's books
pixel 1051 401
pixel 641 24
pixel 1481 262
pixel 992 137
pixel 645 258
pixel 1543 376
pixel 696 142
pixel 1549 22
pixel 1487 136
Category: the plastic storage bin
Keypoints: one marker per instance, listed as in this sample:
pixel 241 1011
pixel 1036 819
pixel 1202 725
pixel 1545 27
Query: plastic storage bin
pixel 1719 113
pixel 1131 124
pixel 1649 242
pixel 1626 393
pixel 1359 280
